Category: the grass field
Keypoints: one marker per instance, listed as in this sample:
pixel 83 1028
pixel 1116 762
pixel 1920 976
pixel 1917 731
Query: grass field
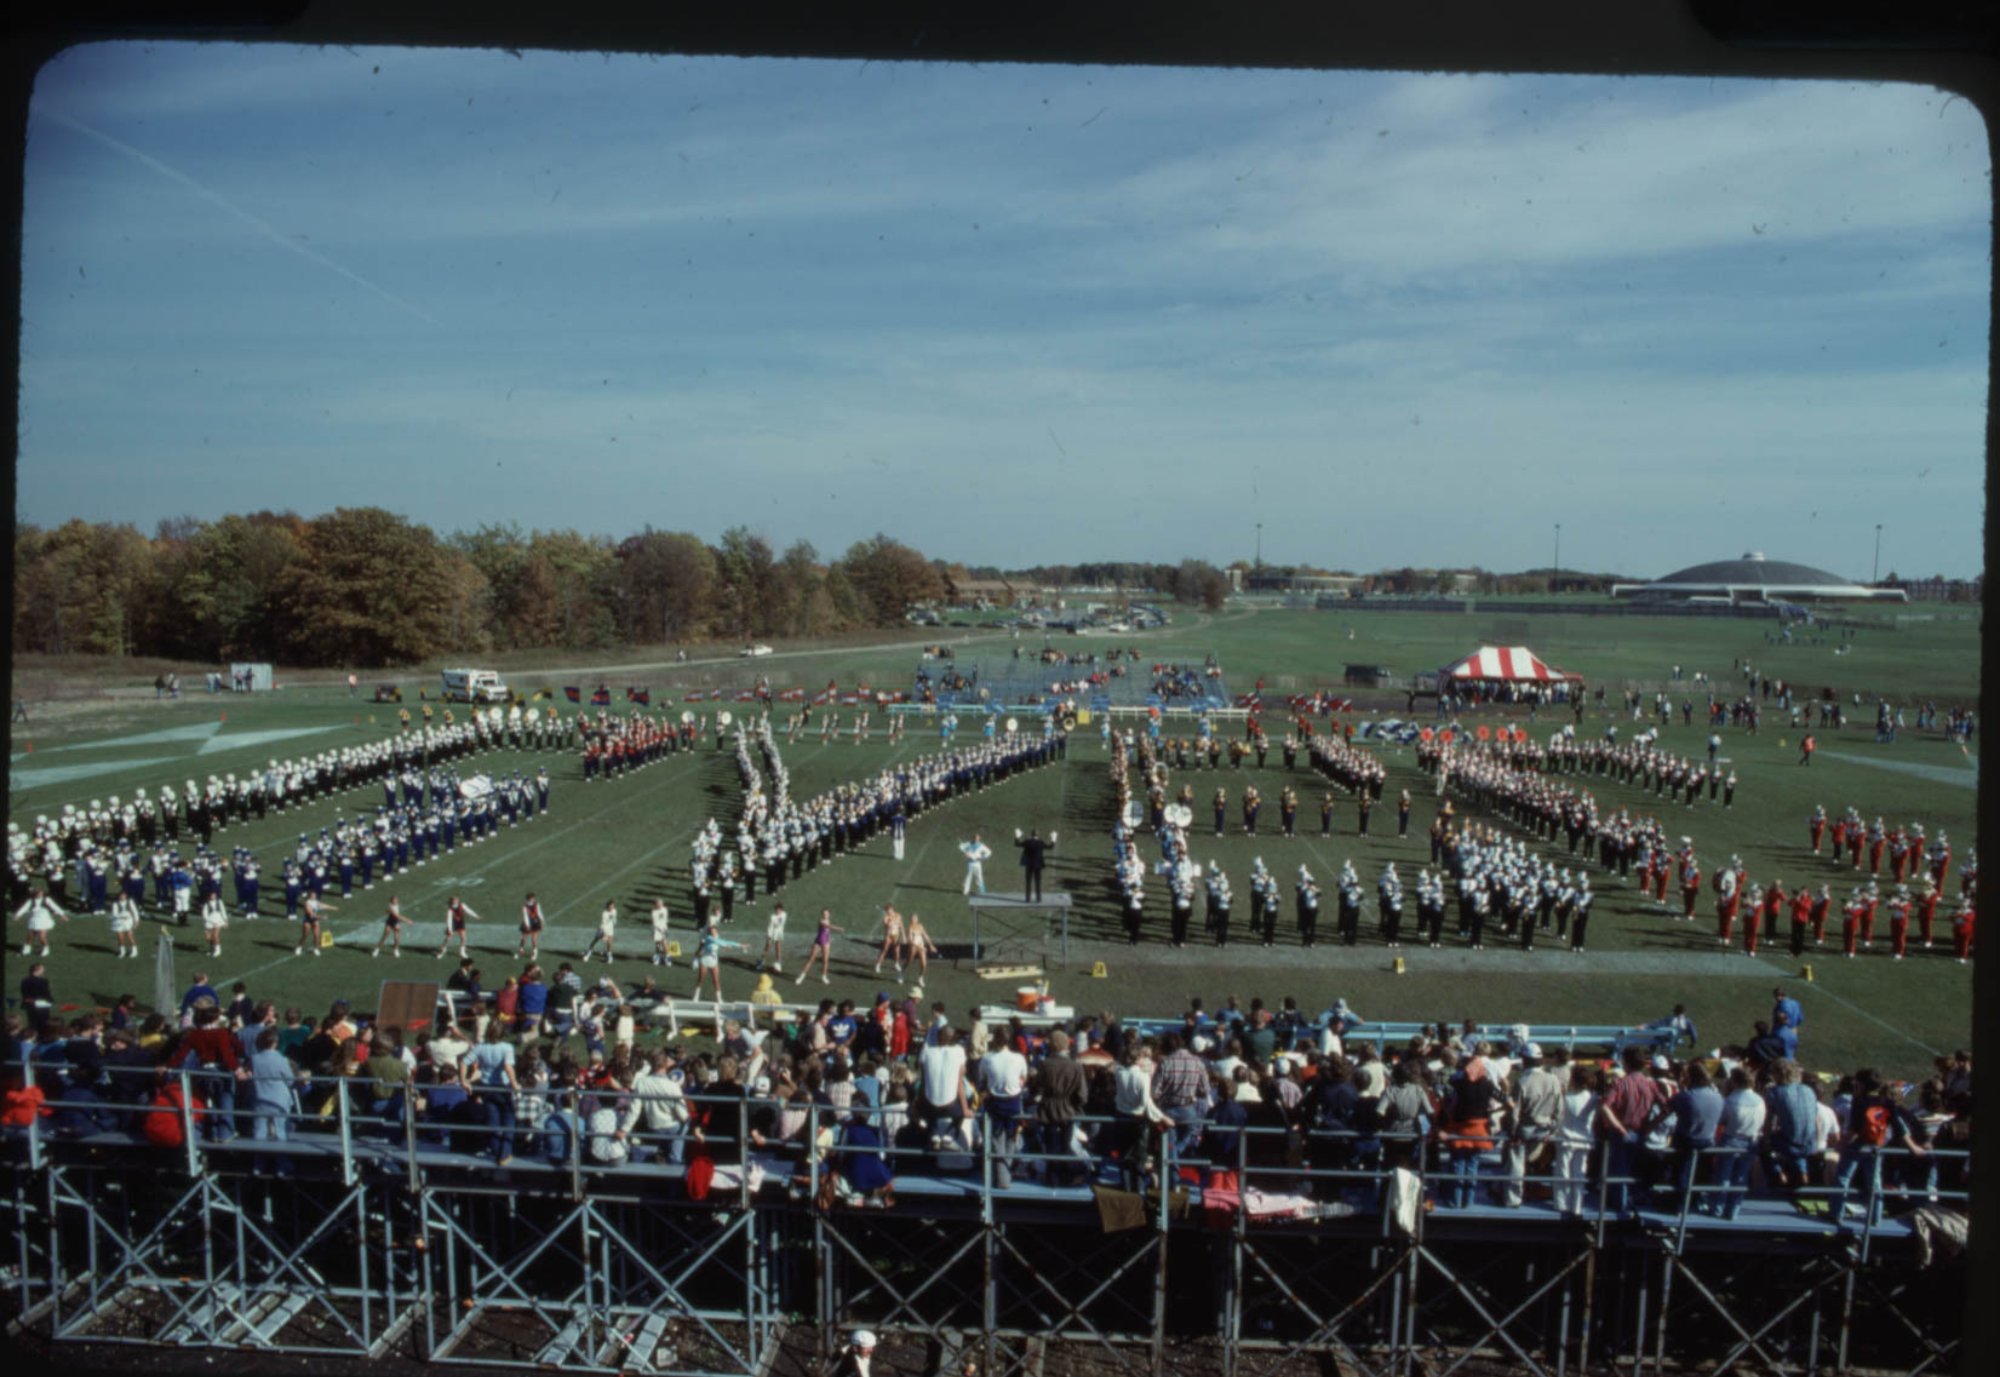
pixel 629 838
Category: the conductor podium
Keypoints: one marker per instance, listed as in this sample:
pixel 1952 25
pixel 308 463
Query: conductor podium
pixel 1013 928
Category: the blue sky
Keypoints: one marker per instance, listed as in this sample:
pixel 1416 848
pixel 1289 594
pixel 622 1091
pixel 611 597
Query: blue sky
pixel 1012 314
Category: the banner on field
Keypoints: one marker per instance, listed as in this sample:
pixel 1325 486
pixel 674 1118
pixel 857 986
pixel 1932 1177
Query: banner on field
pixel 573 693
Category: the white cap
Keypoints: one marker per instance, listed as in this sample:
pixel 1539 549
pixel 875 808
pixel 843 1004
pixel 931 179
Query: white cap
pixel 1532 1052
pixel 862 1338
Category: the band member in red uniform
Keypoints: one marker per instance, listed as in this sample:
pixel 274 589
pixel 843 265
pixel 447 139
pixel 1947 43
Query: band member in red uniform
pixel 1753 920
pixel 1940 860
pixel 1690 883
pixel 1873 897
pixel 1878 838
pixel 1821 906
pixel 1839 837
pixel 1926 906
pixel 1769 905
pixel 1802 907
pixel 1961 931
pixel 1817 822
pixel 1726 897
pixel 1899 854
pixel 1850 920
pixel 1899 921
pixel 1856 835
pixel 1662 864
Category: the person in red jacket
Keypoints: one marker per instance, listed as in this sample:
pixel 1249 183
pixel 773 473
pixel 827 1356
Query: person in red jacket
pixel 1850 920
pixel 211 1046
pixel 1839 837
pixel 1822 905
pixel 1727 893
pixel 1690 883
pixel 1774 905
pixel 1899 920
pixel 162 1123
pixel 1873 898
pixel 1927 902
pixel 1802 907
pixel 22 1102
pixel 1961 931
pixel 1817 822
pixel 1806 748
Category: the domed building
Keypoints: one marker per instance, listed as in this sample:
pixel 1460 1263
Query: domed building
pixel 1751 580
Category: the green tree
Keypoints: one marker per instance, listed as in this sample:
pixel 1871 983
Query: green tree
pixel 373 589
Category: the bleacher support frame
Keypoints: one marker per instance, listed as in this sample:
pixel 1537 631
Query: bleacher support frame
pixel 381 1244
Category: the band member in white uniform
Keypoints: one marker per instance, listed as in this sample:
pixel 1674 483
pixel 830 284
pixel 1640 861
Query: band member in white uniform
pixel 977 853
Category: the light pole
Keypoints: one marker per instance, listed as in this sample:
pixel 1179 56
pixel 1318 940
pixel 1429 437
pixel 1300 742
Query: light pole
pixel 1555 581
pixel 1875 574
pixel 1260 546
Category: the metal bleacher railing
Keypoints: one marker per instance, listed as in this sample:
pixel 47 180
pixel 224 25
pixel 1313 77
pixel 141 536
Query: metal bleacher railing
pixel 366 1215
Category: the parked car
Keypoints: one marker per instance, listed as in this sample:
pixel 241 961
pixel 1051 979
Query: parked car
pixel 752 651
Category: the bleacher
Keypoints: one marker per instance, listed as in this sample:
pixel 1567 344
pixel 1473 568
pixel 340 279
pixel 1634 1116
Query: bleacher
pixel 342 1142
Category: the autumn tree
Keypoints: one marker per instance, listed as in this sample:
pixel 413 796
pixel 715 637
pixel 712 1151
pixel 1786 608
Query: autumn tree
pixel 372 589
pixel 888 576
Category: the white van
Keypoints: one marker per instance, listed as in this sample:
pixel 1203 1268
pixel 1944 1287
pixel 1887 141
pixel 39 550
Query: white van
pixel 473 686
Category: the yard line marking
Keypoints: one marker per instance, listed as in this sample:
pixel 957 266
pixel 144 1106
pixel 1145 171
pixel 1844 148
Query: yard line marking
pixel 1852 1007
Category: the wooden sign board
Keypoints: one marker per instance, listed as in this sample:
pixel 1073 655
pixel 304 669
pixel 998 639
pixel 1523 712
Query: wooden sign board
pixel 407 1004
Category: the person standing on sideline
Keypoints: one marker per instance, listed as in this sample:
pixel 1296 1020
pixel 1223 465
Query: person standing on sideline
pixel 892 940
pixel 774 940
pixel 607 932
pixel 310 909
pixel 1034 853
pixel 41 914
pixel 708 960
pixel 392 928
pixel 457 917
pixel 1537 1118
pixel 530 945
pixel 659 916
pixel 822 949
pixel 977 853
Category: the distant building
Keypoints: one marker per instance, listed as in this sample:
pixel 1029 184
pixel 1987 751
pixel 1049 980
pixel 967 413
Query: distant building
pixel 1269 582
pixel 1751 580
pixel 1938 588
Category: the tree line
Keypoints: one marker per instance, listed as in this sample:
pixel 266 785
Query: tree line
pixel 363 586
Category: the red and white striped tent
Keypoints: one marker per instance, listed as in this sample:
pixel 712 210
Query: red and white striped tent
pixel 1510 664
